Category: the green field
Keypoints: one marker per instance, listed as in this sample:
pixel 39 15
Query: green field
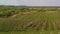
pixel 31 32
pixel 32 23
pixel 40 21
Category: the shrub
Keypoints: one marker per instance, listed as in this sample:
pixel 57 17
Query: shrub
pixel 41 10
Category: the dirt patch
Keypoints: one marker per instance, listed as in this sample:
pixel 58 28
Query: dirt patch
pixel 14 16
pixel 21 13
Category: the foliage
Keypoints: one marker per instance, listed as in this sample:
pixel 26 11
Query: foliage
pixel 5 12
pixel 41 10
pixel 36 22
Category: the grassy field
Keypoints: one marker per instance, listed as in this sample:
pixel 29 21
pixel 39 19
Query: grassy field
pixel 29 22
pixel 32 32
pixel 32 23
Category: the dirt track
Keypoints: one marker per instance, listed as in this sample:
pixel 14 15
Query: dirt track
pixel 22 13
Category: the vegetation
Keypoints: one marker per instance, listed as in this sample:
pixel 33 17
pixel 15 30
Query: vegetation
pixel 10 11
pixel 38 21
pixel 31 32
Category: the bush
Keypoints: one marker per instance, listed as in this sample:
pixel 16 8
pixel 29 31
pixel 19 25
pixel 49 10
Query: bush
pixel 41 10
pixel 5 12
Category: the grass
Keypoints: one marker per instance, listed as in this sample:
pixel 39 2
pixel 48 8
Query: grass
pixel 35 23
pixel 31 32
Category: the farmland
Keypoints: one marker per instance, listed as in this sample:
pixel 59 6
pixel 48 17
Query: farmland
pixel 25 20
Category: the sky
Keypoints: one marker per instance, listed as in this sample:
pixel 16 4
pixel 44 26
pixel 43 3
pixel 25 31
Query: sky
pixel 31 2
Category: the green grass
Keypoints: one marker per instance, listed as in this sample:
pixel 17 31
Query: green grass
pixel 31 32
pixel 32 23
pixel 42 22
pixel 36 21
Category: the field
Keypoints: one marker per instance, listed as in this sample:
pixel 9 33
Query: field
pixel 32 32
pixel 29 21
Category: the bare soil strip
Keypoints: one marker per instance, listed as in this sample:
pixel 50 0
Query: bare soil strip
pixel 21 13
